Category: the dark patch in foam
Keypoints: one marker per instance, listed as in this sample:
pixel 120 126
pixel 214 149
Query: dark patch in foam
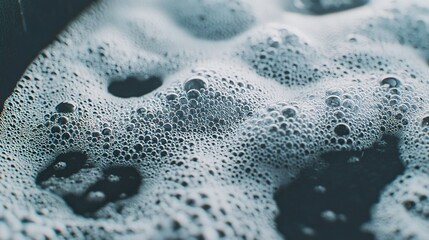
pixel 319 7
pixel 347 188
pixel 64 165
pixel 117 183
pixel 134 87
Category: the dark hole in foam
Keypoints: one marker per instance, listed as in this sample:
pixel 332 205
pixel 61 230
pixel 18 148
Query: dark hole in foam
pixel 348 188
pixel 64 165
pixel 134 87
pixel 117 183
pixel 320 7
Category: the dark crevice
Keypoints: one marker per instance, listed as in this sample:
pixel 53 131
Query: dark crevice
pixel 134 87
pixel 334 202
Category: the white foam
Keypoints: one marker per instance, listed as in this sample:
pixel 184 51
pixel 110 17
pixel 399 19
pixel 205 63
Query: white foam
pixel 280 88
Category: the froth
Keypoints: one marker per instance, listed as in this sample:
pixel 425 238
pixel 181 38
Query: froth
pixel 230 101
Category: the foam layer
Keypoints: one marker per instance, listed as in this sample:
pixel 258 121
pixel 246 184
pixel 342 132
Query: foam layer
pixel 251 93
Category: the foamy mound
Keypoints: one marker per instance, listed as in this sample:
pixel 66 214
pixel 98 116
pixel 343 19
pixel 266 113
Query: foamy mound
pixel 180 119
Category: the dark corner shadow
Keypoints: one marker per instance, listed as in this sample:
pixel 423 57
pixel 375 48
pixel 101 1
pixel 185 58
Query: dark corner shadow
pixel 334 203
pixel 26 27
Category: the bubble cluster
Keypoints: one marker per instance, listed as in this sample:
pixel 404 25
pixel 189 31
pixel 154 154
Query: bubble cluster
pixel 160 119
pixel 213 20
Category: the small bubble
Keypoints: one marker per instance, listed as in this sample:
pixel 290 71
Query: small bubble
pixel 391 82
pixel 404 108
pixel 195 83
pixel 56 129
pixel 334 92
pixel 116 153
pixel 138 147
pixel 96 134
pixel 167 127
pixel 129 127
pixel 142 111
pixel 113 178
pixel 339 114
pixel 333 101
pixel 348 103
pixel 96 196
pixel 409 204
pixel 66 135
pixel 171 96
pixel 63 120
pixel 329 216
pixel 353 159
pixel 425 121
pixel 193 94
pixel 289 112
pixel 320 189
pixel 60 166
pixel 106 131
pixel 342 129
pixel 65 107
pixel 183 101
